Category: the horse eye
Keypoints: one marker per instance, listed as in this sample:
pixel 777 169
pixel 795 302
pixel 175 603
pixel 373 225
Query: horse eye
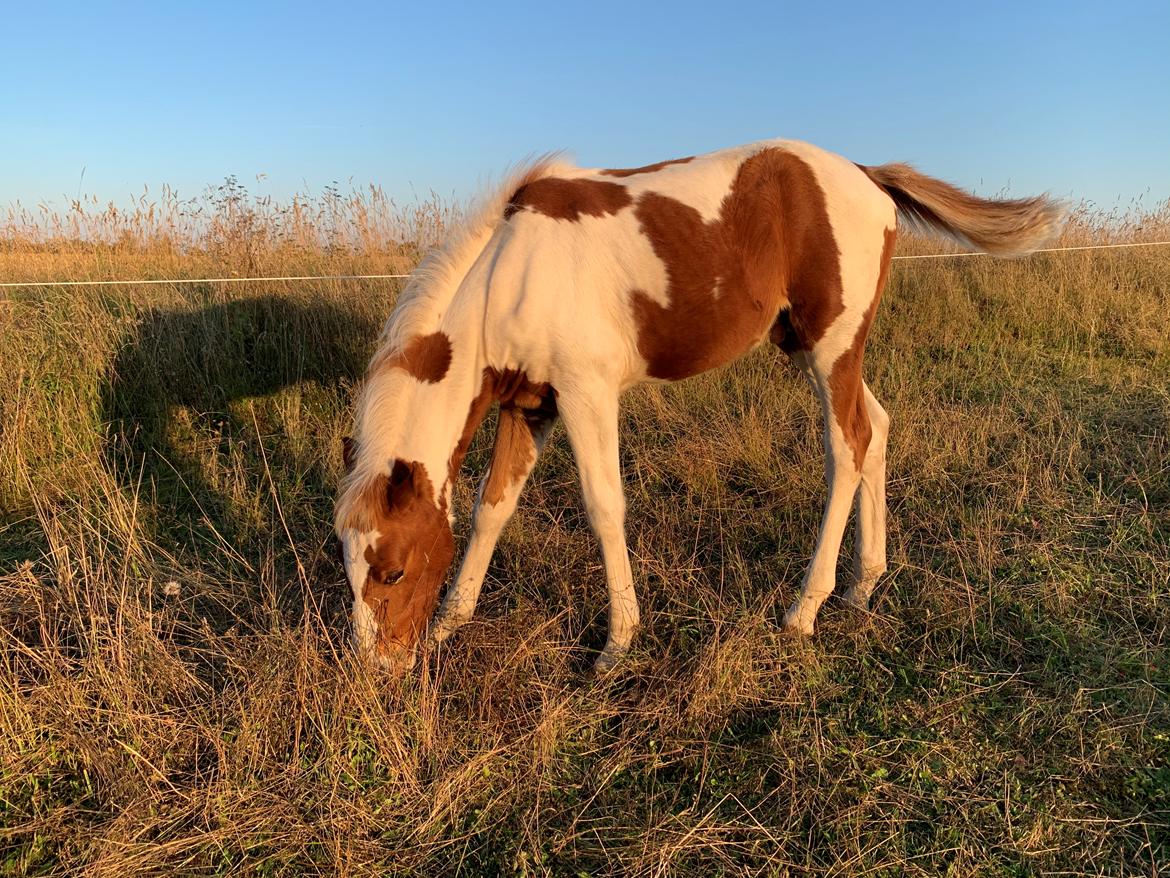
pixel 391 578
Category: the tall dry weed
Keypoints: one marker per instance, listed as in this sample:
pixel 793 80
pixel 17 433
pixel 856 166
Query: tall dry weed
pixel 177 695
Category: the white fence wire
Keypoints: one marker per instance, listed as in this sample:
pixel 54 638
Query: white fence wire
pixel 325 277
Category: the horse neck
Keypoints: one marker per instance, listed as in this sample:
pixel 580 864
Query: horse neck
pixel 415 420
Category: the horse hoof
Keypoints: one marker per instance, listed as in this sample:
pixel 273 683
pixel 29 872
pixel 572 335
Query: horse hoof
pixel 445 626
pixel 796 623
pixel 857 599
pixel 607 661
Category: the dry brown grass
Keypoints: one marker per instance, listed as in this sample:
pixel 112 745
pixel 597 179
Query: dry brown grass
pixel 1004 711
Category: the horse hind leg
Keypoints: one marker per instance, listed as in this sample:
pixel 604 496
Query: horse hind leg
pixel 855 425
pixel 847 435
pixel 869 556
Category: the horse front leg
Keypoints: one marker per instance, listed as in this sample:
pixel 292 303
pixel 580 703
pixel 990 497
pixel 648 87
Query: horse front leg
pixel 520 437
pixel 591 421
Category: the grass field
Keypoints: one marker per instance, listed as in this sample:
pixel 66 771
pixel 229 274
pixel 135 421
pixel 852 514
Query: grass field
pixel 177 695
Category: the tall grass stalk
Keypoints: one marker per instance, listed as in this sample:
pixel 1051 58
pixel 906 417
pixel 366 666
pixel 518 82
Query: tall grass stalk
pixel 177 695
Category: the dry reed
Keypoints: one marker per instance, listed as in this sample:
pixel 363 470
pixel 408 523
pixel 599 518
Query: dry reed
pixel 177 697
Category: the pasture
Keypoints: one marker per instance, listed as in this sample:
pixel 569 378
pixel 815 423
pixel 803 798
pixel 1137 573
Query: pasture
pixel 178 696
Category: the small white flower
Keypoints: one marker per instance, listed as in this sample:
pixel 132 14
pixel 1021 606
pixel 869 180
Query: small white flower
pixel 171 588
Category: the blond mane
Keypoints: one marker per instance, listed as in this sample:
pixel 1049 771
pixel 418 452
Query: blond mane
pixel 435 280
pixel 419 309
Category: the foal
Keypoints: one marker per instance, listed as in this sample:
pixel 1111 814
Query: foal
pixel 572 285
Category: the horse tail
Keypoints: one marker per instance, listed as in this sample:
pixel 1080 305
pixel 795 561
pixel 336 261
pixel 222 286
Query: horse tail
pixel 1002 227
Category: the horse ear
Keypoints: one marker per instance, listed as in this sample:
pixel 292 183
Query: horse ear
pixel 404 479
pixel 348 452
pixel 401 474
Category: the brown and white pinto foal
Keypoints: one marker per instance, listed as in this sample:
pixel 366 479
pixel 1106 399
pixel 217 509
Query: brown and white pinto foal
pixel 572 285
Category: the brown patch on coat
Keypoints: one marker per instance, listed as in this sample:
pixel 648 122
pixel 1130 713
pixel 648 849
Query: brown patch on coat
pixel 845 382
pixel 513 455
pixel 409 561
pixel 771 248
pixel 527 409
pixel 425 357
pixel 563 199
pixel 514 388
pixel 475 415
pixel 645 169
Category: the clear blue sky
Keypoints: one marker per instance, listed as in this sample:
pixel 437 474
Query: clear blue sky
pixel 1073 98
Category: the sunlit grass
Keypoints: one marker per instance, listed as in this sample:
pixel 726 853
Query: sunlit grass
pixel 177 695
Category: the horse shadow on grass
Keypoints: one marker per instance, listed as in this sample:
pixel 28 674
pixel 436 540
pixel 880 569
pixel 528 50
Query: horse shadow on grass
pixel 214 410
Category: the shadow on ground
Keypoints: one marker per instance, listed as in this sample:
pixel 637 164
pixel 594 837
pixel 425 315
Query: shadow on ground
pixel 200 429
